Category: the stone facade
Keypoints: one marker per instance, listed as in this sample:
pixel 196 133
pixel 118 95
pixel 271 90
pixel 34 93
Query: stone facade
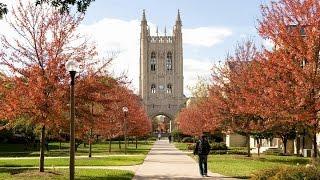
pixel 161 71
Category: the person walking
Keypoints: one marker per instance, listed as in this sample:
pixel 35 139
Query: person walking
pixel 170 138
pixel 159 135
pixel 202 149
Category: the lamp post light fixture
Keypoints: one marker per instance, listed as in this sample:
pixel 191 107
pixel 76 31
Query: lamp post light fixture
pixel 72 66
pixel 125 111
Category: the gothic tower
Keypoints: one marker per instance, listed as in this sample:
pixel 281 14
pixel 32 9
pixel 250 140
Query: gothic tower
pixel 161 70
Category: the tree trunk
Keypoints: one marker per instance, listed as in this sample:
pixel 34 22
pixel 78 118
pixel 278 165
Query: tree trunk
pixel 315 146
pixel 136 142
pixel 119 144
pixel 42 146
pixel 110 142
pixel 259 145
pixel 90 143
pixel 285 140
pixel 298 146
pixel 248 145
pixel 60 145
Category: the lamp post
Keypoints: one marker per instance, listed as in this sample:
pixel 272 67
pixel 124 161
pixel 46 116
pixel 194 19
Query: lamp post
pixel 72 67
pixel 125 111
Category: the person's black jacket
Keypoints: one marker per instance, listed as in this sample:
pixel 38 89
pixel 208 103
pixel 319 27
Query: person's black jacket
pixel 202 147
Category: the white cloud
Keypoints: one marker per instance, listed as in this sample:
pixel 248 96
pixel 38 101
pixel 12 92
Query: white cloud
pixel 192 69
pixel 122 36
pixel 205 36
pixel 268 43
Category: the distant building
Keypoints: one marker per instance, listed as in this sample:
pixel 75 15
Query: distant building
pixel 161 71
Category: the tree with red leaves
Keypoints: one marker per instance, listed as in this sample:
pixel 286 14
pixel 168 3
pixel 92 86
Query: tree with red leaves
pixel 293 26
pixel 45 39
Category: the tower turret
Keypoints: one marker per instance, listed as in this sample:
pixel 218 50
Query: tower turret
pixel 177 26
pixel 143 52
pixel 144 25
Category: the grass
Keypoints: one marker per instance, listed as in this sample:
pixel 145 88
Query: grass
pixel 182 146
pixel 17 150
pixel 98 161
pixel 242 167
pixel 60 174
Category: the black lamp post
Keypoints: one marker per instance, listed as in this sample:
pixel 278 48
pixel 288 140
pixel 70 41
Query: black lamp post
pixel 72 67
pixel 125 111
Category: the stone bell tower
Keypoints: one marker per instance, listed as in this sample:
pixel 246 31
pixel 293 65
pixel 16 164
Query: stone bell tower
pixel 161 70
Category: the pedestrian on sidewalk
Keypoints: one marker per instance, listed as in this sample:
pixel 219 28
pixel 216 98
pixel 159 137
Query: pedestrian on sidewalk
pixel 159 135
pixel 202 149
pixel 169 137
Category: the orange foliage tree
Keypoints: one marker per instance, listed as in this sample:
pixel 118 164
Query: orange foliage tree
pixel 45 39
pixel 293 26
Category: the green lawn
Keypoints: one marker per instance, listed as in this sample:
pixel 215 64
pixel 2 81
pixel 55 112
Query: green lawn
pixel 102 161
pixel 17 150
pixel 242 166
pixel 182 146
pixel 80 174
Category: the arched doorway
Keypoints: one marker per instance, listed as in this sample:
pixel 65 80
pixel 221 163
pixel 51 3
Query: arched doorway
pixel 162 123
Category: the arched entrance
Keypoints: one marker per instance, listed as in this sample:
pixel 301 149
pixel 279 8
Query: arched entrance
pixel 162 123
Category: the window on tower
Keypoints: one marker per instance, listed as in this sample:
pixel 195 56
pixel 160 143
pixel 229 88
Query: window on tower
pixel 153 88
pixel 169 61
pixel 169 88
pixel 153 61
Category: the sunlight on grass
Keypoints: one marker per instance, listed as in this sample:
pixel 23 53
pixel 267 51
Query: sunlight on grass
pixel 64 174
pixel 103 161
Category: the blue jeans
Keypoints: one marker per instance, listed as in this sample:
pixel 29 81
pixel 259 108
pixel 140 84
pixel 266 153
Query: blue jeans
pixel 203 164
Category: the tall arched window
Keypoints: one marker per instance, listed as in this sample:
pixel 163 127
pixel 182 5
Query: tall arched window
pixel 153 61
pixel 169 88
pixel 169 61
pixel 153 88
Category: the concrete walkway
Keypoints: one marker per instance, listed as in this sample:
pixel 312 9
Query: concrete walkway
pixel 164 161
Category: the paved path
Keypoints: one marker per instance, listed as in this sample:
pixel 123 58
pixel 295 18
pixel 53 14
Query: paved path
pixel 164 161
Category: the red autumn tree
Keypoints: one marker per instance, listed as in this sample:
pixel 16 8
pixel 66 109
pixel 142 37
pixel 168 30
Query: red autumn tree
pixel 45 39
pixel 293 26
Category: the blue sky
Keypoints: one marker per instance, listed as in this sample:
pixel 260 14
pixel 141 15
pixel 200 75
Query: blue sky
pixel 211 29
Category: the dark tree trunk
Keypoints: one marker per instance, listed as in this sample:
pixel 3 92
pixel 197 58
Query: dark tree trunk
pixel 110 142
pixel 90 143
pixel 42 146
pixel 259 145
pixel 248 145
pixel 285 140
pixel 136 142
pixel 60 145
pixel 315 146
pixel 119 144
pixel 298 146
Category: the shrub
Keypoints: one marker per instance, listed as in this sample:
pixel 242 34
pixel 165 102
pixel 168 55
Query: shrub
pixel 176 135
pixel 191 146
pixel 279 173
pixel 238 150
pixel 218 146
pixel 152 139
pixel 187 140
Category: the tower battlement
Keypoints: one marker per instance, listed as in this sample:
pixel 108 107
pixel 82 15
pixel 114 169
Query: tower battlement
pixel 160 39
